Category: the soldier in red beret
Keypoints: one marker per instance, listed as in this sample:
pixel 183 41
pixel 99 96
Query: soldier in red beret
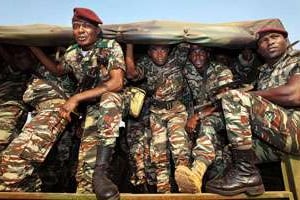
pixel 86 14
pixel 261 32
pixel 98 66
pixel 86 28
pixel 262 125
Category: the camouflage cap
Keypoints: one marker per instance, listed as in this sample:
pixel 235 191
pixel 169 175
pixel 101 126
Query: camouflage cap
pixel 86 14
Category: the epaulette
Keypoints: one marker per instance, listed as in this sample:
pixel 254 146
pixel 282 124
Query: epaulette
pixel 74 46
pixel 294 53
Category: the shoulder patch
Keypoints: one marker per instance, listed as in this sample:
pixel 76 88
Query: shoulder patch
pixel 295 53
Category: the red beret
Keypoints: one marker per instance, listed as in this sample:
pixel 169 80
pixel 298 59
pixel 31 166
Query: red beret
pixel 264 30
pixel 86 14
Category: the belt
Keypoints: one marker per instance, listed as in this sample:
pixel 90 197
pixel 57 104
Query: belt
pixel 164 104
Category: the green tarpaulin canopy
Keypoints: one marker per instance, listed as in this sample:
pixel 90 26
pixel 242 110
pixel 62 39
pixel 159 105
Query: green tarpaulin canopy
pixel 231 35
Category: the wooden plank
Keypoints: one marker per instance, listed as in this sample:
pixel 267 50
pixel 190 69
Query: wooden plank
pixel 293 175
pixel 125 196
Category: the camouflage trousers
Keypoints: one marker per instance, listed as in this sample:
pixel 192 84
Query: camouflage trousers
pixel 101 127
pixel 210 138
pixel 12 118
pixel 25 153
pixel 58 171
pixel 138 139
pixel 248 116
pixel 168 135
pixel 209 145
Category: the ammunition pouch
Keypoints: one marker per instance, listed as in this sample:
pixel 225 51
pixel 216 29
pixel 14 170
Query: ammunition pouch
pixel 137 97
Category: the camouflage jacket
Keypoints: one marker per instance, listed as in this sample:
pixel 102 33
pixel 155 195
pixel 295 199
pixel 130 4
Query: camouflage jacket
pixel 39 90
pixel 279 73
pixel 94 64
pixel 12 84
pixel 245 71
pixel 201 85
pixel 164 83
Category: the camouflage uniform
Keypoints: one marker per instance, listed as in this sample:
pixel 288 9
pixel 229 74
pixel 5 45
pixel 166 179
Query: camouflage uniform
pixel 102 118
pixel 30 148
pixel 138 139
pixel 209 137
pixel 167 114
pixel 246 71
pixel 58 171
pixel 251 118
pixel 13 112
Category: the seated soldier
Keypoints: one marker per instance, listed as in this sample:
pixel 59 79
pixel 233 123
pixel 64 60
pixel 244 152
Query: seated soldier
pixel 99 68
pixel 205 123
pixel 16 65
pixel 264 124
pixel 21 159
pixel 162 69
pixel 245 66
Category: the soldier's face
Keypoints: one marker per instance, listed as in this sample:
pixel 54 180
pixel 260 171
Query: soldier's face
pixel 247 54
pixel 271 46
pixel 159 54
pixel 85 33
pixel 223 59
pixel 198 57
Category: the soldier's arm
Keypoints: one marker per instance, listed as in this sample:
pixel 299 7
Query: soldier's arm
pixel 131 71
pixel 194 120
pixel 116 69
pixel 284 95
pixel 114 84
pixel 52 66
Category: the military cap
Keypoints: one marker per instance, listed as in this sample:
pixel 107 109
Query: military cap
pixel 265 30
pixel 86 14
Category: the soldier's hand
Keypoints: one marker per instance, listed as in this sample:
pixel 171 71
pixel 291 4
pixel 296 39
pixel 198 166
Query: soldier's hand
pixel 192 123
pixel 65 114
pixel 67 108
pixel 207 111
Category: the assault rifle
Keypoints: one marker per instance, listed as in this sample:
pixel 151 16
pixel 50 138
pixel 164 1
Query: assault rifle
pixel 217 93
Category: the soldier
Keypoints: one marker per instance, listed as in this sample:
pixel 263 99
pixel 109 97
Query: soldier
pixel 265 121
pixel 222 56
pixel 245 66
pixel 162 69
pixel 203 77
pixel 16 65
pixel 57 170
pixel 98 66
pixel 138 139
pixel 27 151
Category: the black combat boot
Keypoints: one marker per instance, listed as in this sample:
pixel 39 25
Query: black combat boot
pixel 104 188
pixel 242 176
